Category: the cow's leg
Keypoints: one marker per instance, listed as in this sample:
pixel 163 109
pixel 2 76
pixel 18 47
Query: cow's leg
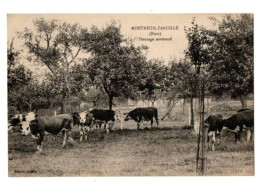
pixel 138 125
pixel 138 122
pixel 39 141
pixel 142 123
pixel 109 127
pixel 70 138
pixel 213 140
pixel 157 121
pixel 218 142
pixel 208 138
pixel 152 123
pixel 237 134
pixel 249 133
pixel 81 133
pixel 218 134
pixel 97 125
pixel 252 134
pixel 86 132
pixel 65 137
pixel 237 137
pixel 105 125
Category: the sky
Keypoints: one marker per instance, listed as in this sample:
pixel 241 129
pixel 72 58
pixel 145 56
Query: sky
pixel 163 50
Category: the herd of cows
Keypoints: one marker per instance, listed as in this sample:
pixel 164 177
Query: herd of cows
pixel 243 120
pixel 30 123
pixel 93 118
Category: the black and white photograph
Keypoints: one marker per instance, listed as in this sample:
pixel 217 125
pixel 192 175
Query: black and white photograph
pixel 101 95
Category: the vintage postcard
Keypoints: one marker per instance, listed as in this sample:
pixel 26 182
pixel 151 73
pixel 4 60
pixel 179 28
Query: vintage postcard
pixel 130 95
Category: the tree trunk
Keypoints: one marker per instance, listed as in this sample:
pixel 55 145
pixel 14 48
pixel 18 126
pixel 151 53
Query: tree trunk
pixel 51 105
pixel 63 105
pixel 191 112
pixel 110 100
pixel 183 105
pixel 195 104
pixel 243 101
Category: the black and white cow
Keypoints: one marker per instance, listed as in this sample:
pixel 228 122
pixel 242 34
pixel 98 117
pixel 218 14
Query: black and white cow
pixel 215 126
pixel 86 122
pixel 244 119
pixel 108 117
pixel 53 125
pixel 15 122
pixel 25 120
pixel 143 114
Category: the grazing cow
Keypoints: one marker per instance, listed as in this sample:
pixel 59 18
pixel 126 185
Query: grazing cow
pixel 100 116
pixel 215 126
pixel 143 114
pixel 53 125
pixel 15 121
pixel 237 123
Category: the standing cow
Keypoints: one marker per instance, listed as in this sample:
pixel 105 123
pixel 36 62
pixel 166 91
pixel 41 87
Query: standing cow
pixel 86 121
pixel 143 114
pixel 215 126
pixel 236 123
pixel 108 117
pixel 54 125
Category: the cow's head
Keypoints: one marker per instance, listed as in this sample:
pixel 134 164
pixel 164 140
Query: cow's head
pixel 33 127
pixel 127 116
pixel 25 123
pixel 25 128
pixel 117 116
pixel 82 117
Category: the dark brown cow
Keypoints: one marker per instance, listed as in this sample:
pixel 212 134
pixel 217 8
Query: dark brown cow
pixel 108 117
pixel 215 126
pixel 143 114
pixel 244 119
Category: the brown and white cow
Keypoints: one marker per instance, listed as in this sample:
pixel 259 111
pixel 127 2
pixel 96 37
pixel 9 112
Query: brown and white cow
pixel 53 125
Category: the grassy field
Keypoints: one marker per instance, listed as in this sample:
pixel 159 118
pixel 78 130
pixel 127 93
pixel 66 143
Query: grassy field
pixel 168 150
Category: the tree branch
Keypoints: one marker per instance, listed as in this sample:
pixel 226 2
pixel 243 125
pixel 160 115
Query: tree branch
pixel 77 53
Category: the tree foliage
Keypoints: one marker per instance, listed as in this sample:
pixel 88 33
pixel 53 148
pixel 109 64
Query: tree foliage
pixel 17 74
pixel 153 79
pixel 233 58
pixel 227 52
pixel 56 46
pixel 18 78
pixel 115 65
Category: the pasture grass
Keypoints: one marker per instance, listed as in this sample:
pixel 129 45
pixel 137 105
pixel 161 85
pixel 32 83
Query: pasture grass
pixel 167 150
